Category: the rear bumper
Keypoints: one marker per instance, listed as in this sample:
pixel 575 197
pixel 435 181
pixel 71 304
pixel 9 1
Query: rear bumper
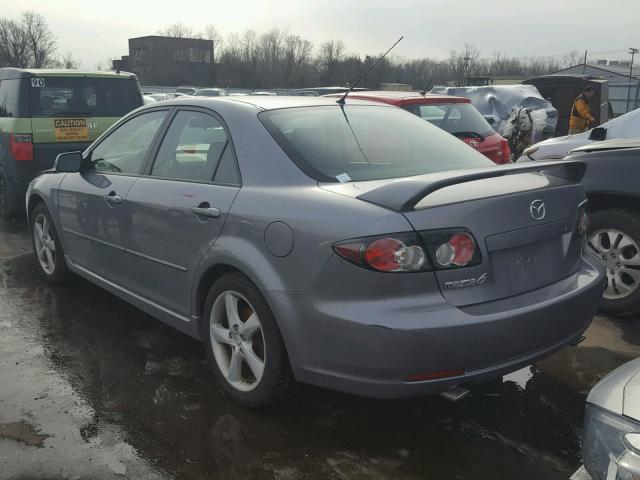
pixel 359 351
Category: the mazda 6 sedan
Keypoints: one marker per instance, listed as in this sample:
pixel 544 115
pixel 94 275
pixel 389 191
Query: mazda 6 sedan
pixel 352 246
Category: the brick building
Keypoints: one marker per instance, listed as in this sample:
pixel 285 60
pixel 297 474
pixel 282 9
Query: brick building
pixel 173 61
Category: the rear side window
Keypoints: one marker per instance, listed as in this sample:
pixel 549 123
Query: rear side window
pixel 195 147
pixel 339 144
pixel 459 119
pixel 83 96
pixel 11 105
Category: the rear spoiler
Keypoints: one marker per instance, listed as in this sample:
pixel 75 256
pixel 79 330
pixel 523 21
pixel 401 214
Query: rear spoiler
pixel 402 195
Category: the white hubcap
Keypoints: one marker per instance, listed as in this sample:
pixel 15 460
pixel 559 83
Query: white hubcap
pixel 237 340
pixel 621 257
pixel 44 244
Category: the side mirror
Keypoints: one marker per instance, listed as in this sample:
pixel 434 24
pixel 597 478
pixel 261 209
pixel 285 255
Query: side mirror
pixel 598 134
pixel 68 162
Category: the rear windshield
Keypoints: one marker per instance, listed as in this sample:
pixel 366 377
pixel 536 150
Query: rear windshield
pixel 358 142
pixel 459 119
pixel 82 96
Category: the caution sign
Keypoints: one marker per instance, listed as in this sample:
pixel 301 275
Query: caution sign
pixel 71 130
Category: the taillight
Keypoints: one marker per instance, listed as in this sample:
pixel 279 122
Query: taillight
pixel 452 248
pixel 405 252
pixel 584 219
pixel 506 151
pixel 20 146
pixel 458 251
pixel 503 154
pixel 394 253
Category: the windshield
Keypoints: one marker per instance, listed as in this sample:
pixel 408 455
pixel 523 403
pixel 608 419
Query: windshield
pixel 460 119
pixel 360 142
pixel 91 97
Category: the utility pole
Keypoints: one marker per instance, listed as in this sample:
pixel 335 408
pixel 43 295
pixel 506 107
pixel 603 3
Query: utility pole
pixel 466 70
pixel 584 64
pixel 633 52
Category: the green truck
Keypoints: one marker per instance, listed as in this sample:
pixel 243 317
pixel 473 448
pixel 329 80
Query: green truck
pixel 47 112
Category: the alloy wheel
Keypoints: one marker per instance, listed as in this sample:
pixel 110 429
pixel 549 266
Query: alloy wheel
pixel 237 340
pixel 45 245
pixel 621 256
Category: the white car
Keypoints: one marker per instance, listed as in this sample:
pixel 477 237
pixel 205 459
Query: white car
pixel 611 435
pixel 624 126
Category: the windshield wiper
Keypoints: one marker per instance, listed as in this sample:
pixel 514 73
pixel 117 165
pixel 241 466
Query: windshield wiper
pixel 468 134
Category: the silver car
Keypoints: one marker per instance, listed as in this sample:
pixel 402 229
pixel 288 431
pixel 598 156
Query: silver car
pixel 354 246
pixel 611 445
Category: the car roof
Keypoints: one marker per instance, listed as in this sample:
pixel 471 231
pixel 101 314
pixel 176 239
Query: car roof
pixel 7 73
pixel 614 144
pixel 267 102
pixel 412 97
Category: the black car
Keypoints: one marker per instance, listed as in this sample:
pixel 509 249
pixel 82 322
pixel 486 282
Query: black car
pixel 611 184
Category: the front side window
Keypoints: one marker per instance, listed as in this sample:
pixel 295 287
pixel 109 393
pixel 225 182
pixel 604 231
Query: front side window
pixel 358 142
pixel 194 148
pixel 125 149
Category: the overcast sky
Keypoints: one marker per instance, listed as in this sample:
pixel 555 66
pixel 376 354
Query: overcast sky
pixel 97 31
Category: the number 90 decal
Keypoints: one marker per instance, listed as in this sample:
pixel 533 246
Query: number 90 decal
pixel 37 82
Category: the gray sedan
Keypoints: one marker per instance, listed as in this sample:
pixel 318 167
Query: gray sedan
pixel 354 246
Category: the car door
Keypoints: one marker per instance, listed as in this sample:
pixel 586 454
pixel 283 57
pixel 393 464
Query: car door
pixel 91 202
pixel 177 210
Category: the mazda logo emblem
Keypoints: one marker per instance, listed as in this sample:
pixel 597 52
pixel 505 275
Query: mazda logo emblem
pixel 537 210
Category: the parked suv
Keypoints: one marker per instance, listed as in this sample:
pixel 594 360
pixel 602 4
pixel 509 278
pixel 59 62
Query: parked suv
pixel 47 112
pixel 455 115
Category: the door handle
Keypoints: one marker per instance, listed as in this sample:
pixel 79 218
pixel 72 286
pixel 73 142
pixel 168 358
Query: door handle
pixel 202 211
pixel 113 199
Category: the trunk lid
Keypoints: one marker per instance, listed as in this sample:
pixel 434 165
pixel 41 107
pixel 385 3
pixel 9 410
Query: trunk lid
pixel 524 246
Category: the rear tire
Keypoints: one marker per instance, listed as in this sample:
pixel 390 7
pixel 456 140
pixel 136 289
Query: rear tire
pixel 244 346
pixel 47 247
pixel 614 236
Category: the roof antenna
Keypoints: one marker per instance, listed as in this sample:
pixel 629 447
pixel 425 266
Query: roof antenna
pixel 424 92
pixel 341 101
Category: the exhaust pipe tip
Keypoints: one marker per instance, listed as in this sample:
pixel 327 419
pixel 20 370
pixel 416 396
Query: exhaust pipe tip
pixel 578 341
pixel 455 394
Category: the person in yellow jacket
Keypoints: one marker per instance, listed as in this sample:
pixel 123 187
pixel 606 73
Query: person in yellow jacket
pixel 581 117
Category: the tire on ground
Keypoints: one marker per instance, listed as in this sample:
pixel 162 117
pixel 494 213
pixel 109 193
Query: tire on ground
pixel 628 222
pixel 60 273
pixel 276 378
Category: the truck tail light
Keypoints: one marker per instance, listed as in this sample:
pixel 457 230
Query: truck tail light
pixel 21 146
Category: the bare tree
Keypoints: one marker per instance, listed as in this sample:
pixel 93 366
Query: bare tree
pixel 331 53
pixel 569 59
pixel 180 30
pixel 14 44
pixel 41 41
pixel 67 61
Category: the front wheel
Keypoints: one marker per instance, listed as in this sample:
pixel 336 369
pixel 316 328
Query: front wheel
pixel 47 246
pixel 244 346
pixel 614 236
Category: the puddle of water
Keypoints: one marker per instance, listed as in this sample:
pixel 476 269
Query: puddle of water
pixel 22 432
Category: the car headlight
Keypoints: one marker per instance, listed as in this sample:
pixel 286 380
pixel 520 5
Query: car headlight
pixel 609 447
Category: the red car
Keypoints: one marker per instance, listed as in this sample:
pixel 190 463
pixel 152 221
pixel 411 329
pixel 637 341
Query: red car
pixel 456 115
